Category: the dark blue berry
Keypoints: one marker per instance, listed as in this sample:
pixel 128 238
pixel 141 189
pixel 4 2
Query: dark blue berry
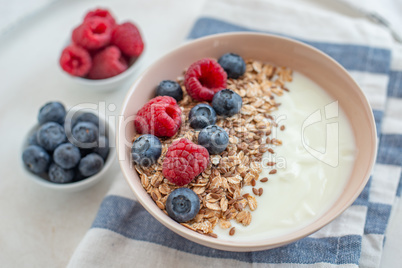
pixel 170 88
pixel 227 102
pixel 146 150
pixel 33 140
pixel 90 164
pixel 103 147
pixel 182 205
pixel 215 139
pixel 36 159
pixel 233 65
pixel 202 115
pixel 50 135
pixel 66 155
pixel 87 117
pixel 85 134
pixel 58 174
pixel 52 112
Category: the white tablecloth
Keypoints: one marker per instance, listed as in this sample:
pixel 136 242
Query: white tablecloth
pixel 40 227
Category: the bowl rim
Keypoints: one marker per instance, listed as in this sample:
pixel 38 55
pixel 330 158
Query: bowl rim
pixel 270 242
pixel 78 184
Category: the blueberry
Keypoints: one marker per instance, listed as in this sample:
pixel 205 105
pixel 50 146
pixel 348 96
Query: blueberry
pixel 227 102
pixel 67 155
pixel 170 88
pixel 215 139
pixel 50 135
pixel 90 164
pixel 36 159
pixel 58 174
pixel 103 147
pixel 85 134
pixel 87 117
pixel 233 65
pixel 202 115
pixel 182 205
pixel 33 139
pixel 146 150
pixel 52 112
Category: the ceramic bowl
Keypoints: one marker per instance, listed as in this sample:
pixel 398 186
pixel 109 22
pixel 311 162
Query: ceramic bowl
pixel 85 183
pixel 314 64
pixel 108 84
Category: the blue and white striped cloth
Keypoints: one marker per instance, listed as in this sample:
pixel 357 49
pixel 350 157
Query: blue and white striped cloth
pixel 124 234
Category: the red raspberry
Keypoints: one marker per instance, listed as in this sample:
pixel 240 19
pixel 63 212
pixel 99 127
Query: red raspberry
pixel 93 33
pixel 184 161
pixel 75 60
pixel 101 13
pixel 204 78
pixel 161 117
pixel 127 37
pixel 107 63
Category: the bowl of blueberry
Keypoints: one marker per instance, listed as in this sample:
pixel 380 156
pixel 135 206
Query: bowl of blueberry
pixel 102 54
pixel 67 150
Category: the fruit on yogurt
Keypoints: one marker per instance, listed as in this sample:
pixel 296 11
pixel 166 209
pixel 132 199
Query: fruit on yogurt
pixel 233 65
pixel 146 150
pixel 182 205
pixel 161 116
pixel 170 88
pixel 184 161
pixel 201 115
pixel 204 78
pixel 227 102
pixel 215 139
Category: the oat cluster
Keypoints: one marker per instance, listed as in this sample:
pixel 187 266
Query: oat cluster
pixel 219 187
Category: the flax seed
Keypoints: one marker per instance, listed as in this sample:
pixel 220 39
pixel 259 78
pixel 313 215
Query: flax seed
pixel 264 179
pixel 232 231
pixel 255 191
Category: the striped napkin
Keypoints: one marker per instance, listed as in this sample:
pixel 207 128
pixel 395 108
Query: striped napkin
pixel 124 234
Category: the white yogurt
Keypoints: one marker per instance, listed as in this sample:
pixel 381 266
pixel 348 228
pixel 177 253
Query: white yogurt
pixel 304 186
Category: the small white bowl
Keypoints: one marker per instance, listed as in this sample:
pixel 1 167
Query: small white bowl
pixel 82 184
pixel 108 84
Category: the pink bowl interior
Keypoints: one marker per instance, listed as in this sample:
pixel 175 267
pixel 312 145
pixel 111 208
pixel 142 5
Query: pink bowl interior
pixel 279 51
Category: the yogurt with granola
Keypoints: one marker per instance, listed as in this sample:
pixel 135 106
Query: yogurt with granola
pixel 287 152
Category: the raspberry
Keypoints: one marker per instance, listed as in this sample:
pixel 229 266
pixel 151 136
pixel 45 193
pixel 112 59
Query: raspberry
pixel 107 63
pixel 101 13
pixel 93 33
pixel 127 37
pixel 204 78
pixel 161 116
pixel 75 60
pixel 184 161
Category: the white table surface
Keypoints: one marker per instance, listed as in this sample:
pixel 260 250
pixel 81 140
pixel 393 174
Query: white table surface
pixel 41 227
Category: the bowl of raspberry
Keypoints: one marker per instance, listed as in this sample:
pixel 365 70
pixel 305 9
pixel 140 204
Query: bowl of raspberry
pixel 68 150
pixel 101 53
pixel 198 140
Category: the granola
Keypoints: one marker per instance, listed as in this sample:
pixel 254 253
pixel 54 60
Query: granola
pixel 219 187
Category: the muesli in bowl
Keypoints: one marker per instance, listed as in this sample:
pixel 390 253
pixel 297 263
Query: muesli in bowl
pixel 267 172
